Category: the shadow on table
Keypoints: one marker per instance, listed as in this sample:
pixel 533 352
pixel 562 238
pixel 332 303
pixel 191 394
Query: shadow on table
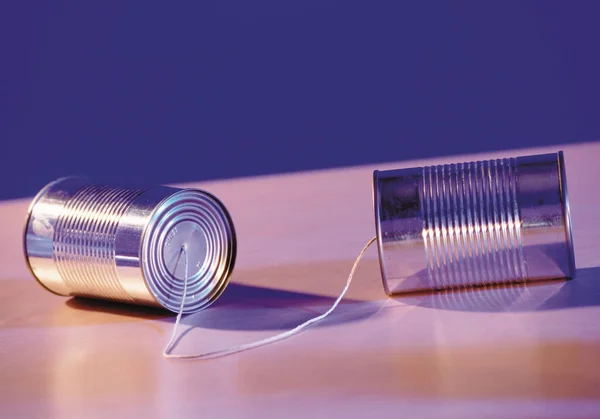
pixel 256 307
pixel 243 307
pixel 115 308
pixel 583 291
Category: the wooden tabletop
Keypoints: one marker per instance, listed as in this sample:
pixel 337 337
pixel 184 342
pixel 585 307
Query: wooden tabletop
pixel 520 351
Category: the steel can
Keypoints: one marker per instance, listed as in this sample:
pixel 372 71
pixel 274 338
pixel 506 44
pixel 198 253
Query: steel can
pixel 476 223
pixel 130 244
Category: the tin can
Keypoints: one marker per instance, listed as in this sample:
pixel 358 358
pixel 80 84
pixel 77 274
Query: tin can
pixel 476 223
pixel 130 244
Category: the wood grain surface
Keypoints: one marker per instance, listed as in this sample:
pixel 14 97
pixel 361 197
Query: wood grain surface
pixel 516 351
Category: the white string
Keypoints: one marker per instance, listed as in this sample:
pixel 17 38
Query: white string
pixel 244 347
pixel 169 346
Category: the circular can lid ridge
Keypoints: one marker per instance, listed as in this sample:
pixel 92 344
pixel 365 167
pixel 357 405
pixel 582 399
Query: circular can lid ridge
pixel 190 226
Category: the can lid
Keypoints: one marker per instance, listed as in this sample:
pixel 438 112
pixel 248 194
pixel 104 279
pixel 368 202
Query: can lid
pixel 190 225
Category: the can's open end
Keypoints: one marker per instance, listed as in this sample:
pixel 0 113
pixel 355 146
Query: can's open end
pixel 567 213
pixel 376 208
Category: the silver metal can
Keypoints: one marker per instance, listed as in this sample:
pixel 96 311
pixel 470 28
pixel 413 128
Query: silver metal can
pixel 130 244
pixel 477 223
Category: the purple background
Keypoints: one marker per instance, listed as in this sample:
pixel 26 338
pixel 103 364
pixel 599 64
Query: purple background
pixel 182 91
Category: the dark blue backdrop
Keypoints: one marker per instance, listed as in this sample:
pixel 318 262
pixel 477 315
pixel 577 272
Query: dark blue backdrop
pixel 160 91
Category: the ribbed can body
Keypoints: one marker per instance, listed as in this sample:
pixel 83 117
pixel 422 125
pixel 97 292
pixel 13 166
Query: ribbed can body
pixel 130 244
pixel 84 241
pixel 475 223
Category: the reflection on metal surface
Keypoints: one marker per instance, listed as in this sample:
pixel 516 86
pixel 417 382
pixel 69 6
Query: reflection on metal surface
pixel 477 223
pixel 509 297
pixel 123 244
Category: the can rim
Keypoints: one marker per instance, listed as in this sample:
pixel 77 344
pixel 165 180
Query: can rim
pixel 562 173
pixel 377 210
pixel 223 279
